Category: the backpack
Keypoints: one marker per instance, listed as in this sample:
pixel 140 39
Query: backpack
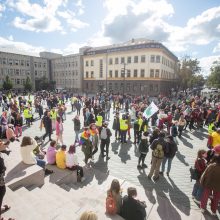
pixel 103 134
pixel 158 151
pixel 110 205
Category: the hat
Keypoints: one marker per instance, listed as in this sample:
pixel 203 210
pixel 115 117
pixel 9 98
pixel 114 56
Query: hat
pixel 217 149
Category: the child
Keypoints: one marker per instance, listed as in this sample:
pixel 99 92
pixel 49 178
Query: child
pixel 143 149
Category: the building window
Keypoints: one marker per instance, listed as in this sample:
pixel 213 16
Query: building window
pixel 10 62
pixel 17 72
pixel 110 61
pixel 152 73
pixel 100 68
pixel 157 73
pixel 135 59
pixel 158 59
pixel 35 64
pixel 128 73
pixel 92 74
pixel 143 59
pixel 16 63
pixel 142 72
pixel 135 73
pixel 28 72
pixel 4 60
pixel 122 60
pixel 152 59
pixel 116 86
pixel 110 73
pixel 35 72
pixel 156 88
pixel 87 74
pixel 87 63
pixel 92 63
pixel 116 73
pixel 18 81
pixel 129 60
pixel 116 60
pixel 39 65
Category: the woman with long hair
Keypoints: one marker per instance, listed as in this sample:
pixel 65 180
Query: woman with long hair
pixel 28 145
pixel 115 192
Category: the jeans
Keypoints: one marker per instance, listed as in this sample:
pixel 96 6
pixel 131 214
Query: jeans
pixel 104 143
pixel 123 136
pixel 165 159
pixel 41 163
pixel 197 191
pixel 76 136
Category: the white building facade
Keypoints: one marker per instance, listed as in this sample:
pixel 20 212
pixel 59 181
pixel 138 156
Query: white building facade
pixel 66 71
pixel 150 68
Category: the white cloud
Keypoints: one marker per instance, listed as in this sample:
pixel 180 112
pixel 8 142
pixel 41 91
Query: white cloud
pixel 43 18
pixel 2 9
pixel 80 7
pixel 72 21
pixel 16 46
pixel 206 63
pixel 216 48
pixel 128 19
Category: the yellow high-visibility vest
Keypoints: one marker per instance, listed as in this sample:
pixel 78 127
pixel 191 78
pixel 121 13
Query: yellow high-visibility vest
pixel 53 114
pixel 140 122
pixel 210 128
pixel 99 121
pixel 123 125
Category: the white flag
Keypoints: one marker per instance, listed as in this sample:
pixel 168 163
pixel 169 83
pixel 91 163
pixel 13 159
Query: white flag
pixel 150 110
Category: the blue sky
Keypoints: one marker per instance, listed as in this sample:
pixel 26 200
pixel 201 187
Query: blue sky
pixel 186 27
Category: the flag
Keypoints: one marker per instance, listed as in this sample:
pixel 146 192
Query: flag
pixel 150 110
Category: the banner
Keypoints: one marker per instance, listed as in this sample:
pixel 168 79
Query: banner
pixel 150 110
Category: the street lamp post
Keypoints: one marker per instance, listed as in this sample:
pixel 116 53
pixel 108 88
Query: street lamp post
pixel 106 69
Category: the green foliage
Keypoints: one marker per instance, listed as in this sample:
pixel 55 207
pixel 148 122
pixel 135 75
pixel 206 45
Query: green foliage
pixel 28 85
pixel 189 73
pixel 7 84
pixel 214 77
pixel 44 84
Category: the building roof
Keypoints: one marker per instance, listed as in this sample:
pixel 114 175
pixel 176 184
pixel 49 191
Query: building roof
pixel 138 43
pixel 19 52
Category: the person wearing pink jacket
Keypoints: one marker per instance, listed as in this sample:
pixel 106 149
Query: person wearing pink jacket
pixel 59 130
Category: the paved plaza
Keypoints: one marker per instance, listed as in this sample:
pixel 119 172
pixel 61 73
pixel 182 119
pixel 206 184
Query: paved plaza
pixel 171 195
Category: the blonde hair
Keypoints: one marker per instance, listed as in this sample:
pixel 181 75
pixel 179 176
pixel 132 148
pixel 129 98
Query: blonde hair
pixel 89 215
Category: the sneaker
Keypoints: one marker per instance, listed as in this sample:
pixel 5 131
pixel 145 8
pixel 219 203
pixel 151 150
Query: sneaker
pixel 48 172
pixel 107 158
pixel 149 177
pixel 213 214
pixel 168 174
pixel 139 166
pixel 144 165
pixel 161 173
pixel 92 159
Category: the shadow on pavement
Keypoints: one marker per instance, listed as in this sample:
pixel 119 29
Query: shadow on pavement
pixel 181 158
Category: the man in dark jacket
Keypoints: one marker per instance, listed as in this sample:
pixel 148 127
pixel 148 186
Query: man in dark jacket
pixel 133 209
pixel 116 126
pixel 47 125
pixel 169 155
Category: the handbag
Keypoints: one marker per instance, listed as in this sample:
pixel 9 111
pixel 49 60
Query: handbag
pixel 194 174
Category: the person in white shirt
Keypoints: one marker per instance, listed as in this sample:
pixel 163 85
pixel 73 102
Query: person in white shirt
pixel 72 163
pixel 28 144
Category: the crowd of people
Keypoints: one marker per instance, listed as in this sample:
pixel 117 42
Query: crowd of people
pixel 159 132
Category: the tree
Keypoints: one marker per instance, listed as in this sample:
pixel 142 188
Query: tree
pixel 214 77
pixel 28 85
pixel 189 73
pixel 7 84
pixel 43 84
